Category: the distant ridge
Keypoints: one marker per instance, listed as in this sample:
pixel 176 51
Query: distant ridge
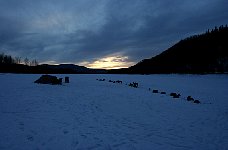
pixel 72 68
pixel 49 69
pixel 205 53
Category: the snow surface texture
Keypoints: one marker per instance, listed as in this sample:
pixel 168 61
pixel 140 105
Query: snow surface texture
pixel 93 115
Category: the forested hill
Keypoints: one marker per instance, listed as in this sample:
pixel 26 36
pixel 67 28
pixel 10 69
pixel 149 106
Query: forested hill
pixel 205 53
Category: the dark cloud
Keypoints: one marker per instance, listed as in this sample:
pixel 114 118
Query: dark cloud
pixel 88 30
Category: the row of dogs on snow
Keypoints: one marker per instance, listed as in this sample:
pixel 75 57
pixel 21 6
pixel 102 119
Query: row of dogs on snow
pixel 133 84
pixel 177 95
pixel 136 85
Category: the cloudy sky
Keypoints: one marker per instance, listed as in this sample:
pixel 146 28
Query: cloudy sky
pixel 102 33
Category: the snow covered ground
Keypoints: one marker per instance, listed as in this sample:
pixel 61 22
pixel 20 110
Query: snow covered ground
pixel 95 115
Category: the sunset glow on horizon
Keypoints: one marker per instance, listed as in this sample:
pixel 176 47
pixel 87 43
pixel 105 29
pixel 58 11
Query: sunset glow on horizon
pixel 109 62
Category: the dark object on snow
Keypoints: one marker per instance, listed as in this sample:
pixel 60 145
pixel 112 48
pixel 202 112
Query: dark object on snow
pixel 134 84
pixel 67 80
pixel 155 91
pixel 172 94
pixel 189 98
pixel 175 95
pixel 118 81
pixel 48 79
pixel 101 79
pixel 196 102
pixel 163 92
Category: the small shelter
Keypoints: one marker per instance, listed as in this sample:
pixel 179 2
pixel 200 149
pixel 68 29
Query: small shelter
pixel 48 79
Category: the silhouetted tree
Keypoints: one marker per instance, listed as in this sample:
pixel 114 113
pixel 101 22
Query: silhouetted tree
pixel 34 62
pixel 1 58
pixel 7 59
pixel 26 61
pixel 17 60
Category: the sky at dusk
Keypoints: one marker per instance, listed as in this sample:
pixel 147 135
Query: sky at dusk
pixel 102 33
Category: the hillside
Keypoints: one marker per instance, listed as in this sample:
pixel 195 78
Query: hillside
pixel 205 53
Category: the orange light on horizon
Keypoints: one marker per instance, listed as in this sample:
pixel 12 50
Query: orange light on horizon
pixel 109 62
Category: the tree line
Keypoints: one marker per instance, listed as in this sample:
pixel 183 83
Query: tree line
pixel 209 33
pixel 9 60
